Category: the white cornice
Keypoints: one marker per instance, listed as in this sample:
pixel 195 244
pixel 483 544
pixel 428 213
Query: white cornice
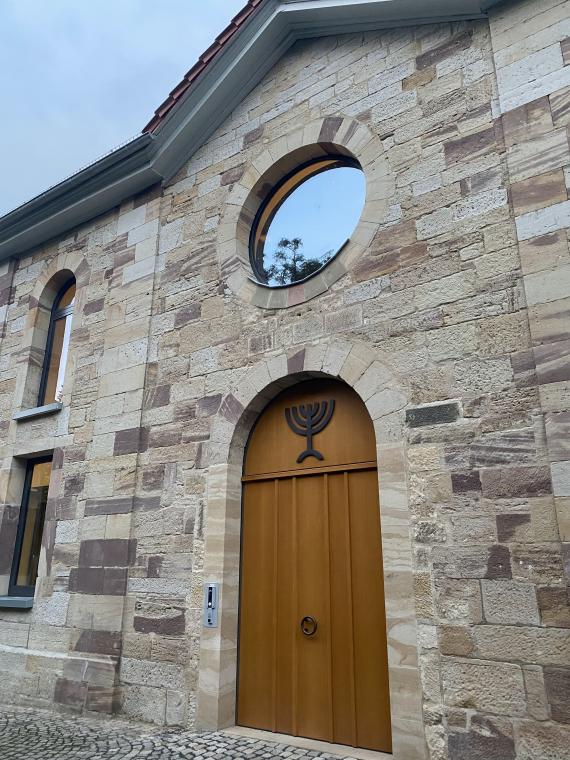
pixel 232 74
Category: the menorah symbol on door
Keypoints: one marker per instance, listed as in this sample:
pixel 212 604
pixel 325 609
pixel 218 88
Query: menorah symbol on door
pixel 308 420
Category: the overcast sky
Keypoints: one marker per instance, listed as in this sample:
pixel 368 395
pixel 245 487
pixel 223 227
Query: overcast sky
pixel 80 77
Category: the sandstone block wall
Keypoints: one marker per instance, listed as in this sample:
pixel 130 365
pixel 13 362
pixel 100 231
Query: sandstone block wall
pixel 461 300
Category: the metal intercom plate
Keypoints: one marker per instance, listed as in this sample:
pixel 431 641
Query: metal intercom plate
pixel 211 603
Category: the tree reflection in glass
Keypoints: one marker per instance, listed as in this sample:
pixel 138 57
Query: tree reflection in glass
pixel 307 220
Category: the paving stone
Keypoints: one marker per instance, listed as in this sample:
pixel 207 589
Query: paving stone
pixel 28 734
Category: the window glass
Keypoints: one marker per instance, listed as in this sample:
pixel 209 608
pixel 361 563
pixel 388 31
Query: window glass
pixel 57 347
pixel 307 220
pixel 32 515
pixel 58 359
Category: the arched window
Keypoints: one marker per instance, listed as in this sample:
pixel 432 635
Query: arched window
pixel 57 345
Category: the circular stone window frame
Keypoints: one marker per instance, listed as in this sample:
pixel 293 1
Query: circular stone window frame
pixel 260 227
pixel 329 136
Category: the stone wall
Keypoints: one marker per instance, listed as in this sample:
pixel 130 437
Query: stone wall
pixel 451 323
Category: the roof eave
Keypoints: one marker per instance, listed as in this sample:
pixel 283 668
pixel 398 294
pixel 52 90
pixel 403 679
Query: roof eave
pixel 81 197
pixel 225 82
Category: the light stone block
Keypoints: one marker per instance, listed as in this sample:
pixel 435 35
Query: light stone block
pixel 543 221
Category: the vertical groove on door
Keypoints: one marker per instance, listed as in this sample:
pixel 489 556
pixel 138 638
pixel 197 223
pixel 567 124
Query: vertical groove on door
pixel 328 621
pixel 351 607
pixel 275 600
pixel 296 608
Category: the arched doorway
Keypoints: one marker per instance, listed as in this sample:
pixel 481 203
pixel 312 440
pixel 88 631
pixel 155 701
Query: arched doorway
pixel 312 632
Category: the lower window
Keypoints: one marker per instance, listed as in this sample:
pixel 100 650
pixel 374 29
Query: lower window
pixel 30 528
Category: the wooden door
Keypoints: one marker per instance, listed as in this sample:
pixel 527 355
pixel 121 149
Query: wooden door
pixel 311 550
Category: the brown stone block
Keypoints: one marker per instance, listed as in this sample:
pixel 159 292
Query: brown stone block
pixel 72 694
pixel 558 435
pixel 153 477
pixel 527 121
pixel 156 396
pixel 164 436
pixel 184 411
pixel 154 566
pixel 554 605
pixel 130 441
pixel 539 192
pixel 487 739
pixel 94 307
pixel 455 640
pixel 465 482
pixel 112 506
pixel 329 129
pixel 209 405
pixel 188 313
pixel 560 105
pixel 553 362
pixel 57 458
pixel 449 48
pixel 538 155
pixel 470 147
pixel 550 322
pixel 146 503
pixel 86 580
pixel 231 409
pixel 374 265
pixel 557 682
pixel 232 175
pixel 511 482
pixel 513 527
pixel 296 362
pixel 173 624
pixel 99 642
pixel 73 485
pixel 63 508
pixel 8 528
pixel 565 45
pixel 254 136
pixel 419 78
pixel 102 699
pixel 524 368
pixel 98 580
pixel 110 552
pixel 517 446
pixel 458 601
pixel 538 563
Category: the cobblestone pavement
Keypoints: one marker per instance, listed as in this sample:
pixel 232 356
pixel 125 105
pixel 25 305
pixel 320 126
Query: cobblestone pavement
pixel 37 735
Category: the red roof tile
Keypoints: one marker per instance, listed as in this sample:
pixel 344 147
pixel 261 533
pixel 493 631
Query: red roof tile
pixel 203 61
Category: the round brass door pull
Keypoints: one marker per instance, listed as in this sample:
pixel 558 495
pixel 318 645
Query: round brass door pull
pixel 309 625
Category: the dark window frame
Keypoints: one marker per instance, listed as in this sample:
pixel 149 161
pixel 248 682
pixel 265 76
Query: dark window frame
pixel 55 316
pixel 342 160
pixel 13 588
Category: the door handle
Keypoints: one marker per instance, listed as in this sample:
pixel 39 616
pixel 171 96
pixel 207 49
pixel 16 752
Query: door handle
pixel 309 625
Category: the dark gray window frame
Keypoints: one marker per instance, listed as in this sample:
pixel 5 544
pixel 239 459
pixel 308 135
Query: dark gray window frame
pixel 14 590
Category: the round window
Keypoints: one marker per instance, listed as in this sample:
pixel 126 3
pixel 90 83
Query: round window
pixel 306 220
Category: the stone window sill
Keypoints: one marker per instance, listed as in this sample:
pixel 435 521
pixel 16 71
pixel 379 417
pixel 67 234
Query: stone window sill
pixel 17 602
pixel 37 411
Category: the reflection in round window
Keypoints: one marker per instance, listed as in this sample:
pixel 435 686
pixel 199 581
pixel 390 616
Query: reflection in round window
pixel 306 221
